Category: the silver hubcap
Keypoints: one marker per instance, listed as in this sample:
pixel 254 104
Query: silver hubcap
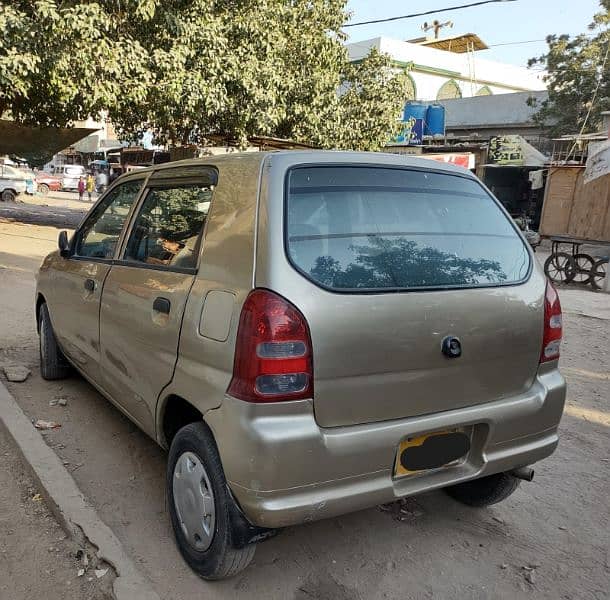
pixel 194 501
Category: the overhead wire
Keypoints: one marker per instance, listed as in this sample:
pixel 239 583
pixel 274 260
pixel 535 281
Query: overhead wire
pixel 428 12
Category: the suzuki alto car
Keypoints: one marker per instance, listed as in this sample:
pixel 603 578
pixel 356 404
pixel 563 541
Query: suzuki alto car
pixel 309 334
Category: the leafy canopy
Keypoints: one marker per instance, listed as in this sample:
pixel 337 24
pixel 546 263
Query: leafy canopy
pixel 189 69
pixel 575 66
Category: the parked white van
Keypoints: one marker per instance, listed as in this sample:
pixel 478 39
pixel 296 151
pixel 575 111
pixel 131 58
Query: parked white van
pixel 70 175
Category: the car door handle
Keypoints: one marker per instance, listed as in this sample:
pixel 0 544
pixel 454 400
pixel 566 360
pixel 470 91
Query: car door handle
pixel 162 305
pixel 89 285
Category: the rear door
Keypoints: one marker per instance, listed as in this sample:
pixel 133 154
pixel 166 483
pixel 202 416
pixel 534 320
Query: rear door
pixel 146 290
pixel 399 260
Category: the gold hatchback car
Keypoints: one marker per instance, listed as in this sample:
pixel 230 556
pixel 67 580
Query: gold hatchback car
pixel 309 333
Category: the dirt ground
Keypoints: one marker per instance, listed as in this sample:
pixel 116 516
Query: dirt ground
pixel 37 560
pixel 549 540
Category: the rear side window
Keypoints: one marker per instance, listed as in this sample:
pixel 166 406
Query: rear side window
pixel 372 228
pixel 167 231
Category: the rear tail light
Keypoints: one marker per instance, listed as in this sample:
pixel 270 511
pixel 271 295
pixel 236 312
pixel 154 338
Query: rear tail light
pixel 273 358
pixel 551 339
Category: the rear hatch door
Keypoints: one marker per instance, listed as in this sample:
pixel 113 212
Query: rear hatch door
pixel 401 261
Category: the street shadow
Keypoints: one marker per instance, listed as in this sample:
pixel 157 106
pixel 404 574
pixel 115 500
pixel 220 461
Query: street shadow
pixel 19 263
pixel 34 214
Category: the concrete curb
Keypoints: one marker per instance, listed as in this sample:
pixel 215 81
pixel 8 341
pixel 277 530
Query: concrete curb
pixel 67 502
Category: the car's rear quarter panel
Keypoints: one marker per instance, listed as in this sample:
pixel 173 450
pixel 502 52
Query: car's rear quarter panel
pixel 205 365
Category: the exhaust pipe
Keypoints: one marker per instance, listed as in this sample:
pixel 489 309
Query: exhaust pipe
pixel 525 473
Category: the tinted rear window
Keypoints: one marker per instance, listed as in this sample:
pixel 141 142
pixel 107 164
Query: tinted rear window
pixel 368 228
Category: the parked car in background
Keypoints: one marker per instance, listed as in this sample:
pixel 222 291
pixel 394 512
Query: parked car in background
pixel 310 334
pixel 47 182
pixel 69 175
pixel 12 182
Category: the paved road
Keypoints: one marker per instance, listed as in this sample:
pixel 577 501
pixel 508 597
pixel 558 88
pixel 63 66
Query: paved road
pixel 434 548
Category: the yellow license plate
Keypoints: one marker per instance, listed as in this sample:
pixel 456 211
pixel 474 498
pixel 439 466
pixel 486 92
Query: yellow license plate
pixel 430 451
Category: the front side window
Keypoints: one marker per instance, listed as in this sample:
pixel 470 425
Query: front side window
pixel 100 234
pixel 168 228
pixel 374 228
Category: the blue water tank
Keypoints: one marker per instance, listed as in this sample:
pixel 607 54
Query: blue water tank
pixel 435 120
pixel 415 110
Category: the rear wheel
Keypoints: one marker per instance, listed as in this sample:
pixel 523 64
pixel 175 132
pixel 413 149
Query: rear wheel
pixel 583 268
pixel 53 364
pixel 43 188
pixel 599 273
pixel 199 506
pixel 485 490
pixel 9 196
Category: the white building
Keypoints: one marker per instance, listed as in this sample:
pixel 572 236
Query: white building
pixel 450 68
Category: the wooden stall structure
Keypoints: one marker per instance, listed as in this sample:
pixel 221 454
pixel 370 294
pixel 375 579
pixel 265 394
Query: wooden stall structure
pixel 574 208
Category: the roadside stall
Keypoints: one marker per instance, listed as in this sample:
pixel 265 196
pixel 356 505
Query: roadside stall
pixel 576 212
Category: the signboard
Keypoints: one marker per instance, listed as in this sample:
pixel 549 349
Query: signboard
pixel 598 162
pixel 506 150
pixel 412 133
pixel 461 159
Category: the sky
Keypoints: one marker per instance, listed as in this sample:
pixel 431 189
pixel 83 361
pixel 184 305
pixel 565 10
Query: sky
pixel 501 23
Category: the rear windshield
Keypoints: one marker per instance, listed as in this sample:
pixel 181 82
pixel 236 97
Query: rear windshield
pixel 75 171
pixel 370 228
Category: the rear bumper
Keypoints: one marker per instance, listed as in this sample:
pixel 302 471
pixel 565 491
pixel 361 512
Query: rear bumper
pixel 284 469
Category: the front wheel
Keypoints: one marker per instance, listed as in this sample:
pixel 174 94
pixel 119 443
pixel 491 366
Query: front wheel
pixel 53 364
pixel 199 506
pixel 43 188
pixel 560 267
pixel 9 196
pixel 484 491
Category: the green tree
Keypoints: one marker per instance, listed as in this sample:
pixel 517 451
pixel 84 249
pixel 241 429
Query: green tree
pixel 65 61
pixel 578 78
pixel 191 69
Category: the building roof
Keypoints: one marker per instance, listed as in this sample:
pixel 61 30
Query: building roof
pixel 431 60
pixel 500 110
pixel 464 42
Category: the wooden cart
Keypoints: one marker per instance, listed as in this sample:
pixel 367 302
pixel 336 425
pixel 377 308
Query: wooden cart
pixel 576 213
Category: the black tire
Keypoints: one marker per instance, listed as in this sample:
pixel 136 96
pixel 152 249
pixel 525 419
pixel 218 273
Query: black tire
pixel 221 559
pixel 484 491
pixel 53 364
pixel 9 196
pixel 599 273
pixel 583 268
pixel 560 267
pixel 43 188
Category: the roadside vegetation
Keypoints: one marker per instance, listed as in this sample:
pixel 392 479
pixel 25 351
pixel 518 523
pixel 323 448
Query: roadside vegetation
pixel 189 70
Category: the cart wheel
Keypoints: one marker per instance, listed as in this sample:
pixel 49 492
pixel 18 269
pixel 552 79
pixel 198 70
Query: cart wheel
pixel 599 273
pixel 584 268
pixel 560 267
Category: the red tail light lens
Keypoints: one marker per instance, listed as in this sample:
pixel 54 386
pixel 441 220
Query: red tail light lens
pixel 273 357
pixel 551 339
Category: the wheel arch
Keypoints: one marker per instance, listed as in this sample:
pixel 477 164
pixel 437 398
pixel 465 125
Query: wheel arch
pixel 175 412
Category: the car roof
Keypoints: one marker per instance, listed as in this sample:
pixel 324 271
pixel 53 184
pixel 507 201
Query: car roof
pixel 317 156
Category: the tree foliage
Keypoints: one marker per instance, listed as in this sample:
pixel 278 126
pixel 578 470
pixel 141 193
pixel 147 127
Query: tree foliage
pixel 191 69
pixel 576 67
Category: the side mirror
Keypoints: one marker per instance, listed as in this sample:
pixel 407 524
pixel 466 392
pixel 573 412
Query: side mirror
pixel 64 244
